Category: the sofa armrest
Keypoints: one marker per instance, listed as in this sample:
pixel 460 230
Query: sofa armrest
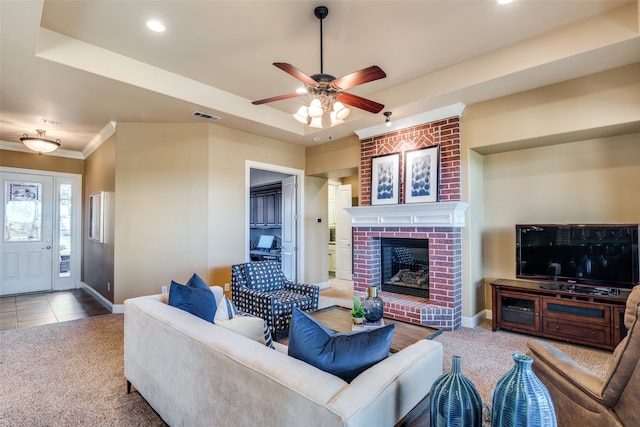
pixel 566 368
pixel 312 291
pixel 262 302
pixel 389 390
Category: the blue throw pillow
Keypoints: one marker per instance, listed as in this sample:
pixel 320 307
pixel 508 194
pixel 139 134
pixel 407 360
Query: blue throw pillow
pixel 197 301
pixel 196 282
pixel 345 355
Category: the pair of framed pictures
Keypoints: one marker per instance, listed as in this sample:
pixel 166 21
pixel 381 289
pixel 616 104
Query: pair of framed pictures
pixel 420 181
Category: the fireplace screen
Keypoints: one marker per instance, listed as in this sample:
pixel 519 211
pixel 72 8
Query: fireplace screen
pixel 405 266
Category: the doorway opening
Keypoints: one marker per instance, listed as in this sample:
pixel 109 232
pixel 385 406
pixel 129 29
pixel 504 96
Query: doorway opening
pixel 274 204
pixel 42 225
pixel 340 250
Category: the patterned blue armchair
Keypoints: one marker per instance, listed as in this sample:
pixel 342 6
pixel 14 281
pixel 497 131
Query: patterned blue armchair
pixel 261 289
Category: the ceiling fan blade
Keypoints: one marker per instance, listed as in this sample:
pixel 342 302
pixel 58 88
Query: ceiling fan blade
pixel 359 102
pixel 288 68
pixel 276 98
pixel 365 75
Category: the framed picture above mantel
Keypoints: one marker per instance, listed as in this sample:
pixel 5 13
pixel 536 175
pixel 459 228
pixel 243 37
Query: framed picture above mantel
pixel 385 177
pixel 421 175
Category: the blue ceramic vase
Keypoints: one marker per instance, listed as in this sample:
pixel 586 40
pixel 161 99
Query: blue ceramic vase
pixel 521 399
pixel 373 305
pixel 455 401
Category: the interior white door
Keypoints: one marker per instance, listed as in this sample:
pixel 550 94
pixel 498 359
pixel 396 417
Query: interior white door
pixel 289 228
pixel 344 251
pixel 27 218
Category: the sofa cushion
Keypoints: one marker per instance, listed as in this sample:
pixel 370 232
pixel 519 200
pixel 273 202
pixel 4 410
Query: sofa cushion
pixel 344 355
pixel 264 276
pixel 284 301
pixel 197 301
pixel 228 316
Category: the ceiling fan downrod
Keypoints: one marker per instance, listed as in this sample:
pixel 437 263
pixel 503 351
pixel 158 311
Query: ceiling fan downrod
pixel 321 12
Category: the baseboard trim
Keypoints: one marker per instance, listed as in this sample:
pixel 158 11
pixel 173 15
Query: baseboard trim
pixel 322 285
pixel 472 322
pixel 114 308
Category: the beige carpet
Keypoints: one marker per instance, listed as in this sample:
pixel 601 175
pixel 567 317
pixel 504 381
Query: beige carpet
pixel 71 373
pixel 487 356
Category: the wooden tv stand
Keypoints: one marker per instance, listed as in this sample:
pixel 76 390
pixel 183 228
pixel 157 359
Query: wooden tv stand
pixel 557 311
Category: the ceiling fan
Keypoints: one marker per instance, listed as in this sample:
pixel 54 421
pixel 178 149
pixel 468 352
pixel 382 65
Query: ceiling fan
pixel 326 91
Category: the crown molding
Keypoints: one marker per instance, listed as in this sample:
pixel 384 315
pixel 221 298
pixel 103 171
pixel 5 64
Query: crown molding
pixel 107 131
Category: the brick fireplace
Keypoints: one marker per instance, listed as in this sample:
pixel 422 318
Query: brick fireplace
pixel 439 222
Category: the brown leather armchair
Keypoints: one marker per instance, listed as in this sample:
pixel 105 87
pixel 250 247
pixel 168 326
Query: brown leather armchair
pixel 583 399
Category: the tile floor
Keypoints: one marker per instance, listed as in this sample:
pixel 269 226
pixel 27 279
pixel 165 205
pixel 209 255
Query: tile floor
pixel 24 311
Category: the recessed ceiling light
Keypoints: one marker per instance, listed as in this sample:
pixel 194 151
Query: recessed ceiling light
pixel 155 26
pixel 505 1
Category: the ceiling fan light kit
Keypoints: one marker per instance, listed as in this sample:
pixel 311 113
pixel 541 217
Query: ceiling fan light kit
pixel 327 99
pixel 39 143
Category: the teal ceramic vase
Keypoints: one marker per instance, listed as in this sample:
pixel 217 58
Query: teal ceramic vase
pixel 521 399
pixel 455 401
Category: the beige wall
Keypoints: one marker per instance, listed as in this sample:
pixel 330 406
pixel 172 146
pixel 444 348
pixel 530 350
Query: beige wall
pixel 181 201
pixel 161 206
pixel 98 258
pixel 45 162
pixel 229 152
pixel 316 236
pixel 591 181
pixel 602 104
pixel 472 192
pixel 334 159
pixel 563 153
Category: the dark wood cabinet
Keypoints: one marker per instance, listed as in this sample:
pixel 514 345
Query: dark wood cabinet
pixel 265 207
pixel 541 309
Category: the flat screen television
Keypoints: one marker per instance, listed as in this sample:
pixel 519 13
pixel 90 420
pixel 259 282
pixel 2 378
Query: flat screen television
pixel 591 255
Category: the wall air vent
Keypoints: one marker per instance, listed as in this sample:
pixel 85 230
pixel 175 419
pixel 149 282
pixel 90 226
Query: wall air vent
pixel 205 116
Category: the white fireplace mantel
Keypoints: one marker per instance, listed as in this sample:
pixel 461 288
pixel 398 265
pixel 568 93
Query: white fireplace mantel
pixel 438 214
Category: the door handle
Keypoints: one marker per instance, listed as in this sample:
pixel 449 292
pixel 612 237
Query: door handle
pixel 48 247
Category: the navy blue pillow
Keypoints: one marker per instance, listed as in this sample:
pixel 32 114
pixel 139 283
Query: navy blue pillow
pixel 197 301
pixel 196 282
pixel 345 355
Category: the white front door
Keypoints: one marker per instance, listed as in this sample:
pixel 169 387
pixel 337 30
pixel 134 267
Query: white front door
pixel 27 237
pixel 289 227
pixel 344 251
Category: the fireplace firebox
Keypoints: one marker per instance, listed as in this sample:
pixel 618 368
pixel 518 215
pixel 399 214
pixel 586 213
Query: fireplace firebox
pixel 404 266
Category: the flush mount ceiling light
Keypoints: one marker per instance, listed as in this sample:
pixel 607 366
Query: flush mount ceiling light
pixel 39 143
pixel 327 103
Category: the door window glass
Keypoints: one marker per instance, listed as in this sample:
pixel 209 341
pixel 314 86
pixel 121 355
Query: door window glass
pixel 65 197
pixel 23 212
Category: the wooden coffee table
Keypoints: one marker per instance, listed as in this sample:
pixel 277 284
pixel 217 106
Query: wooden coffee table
pixel 339 319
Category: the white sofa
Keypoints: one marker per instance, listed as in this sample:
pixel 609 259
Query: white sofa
pixel 195 373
